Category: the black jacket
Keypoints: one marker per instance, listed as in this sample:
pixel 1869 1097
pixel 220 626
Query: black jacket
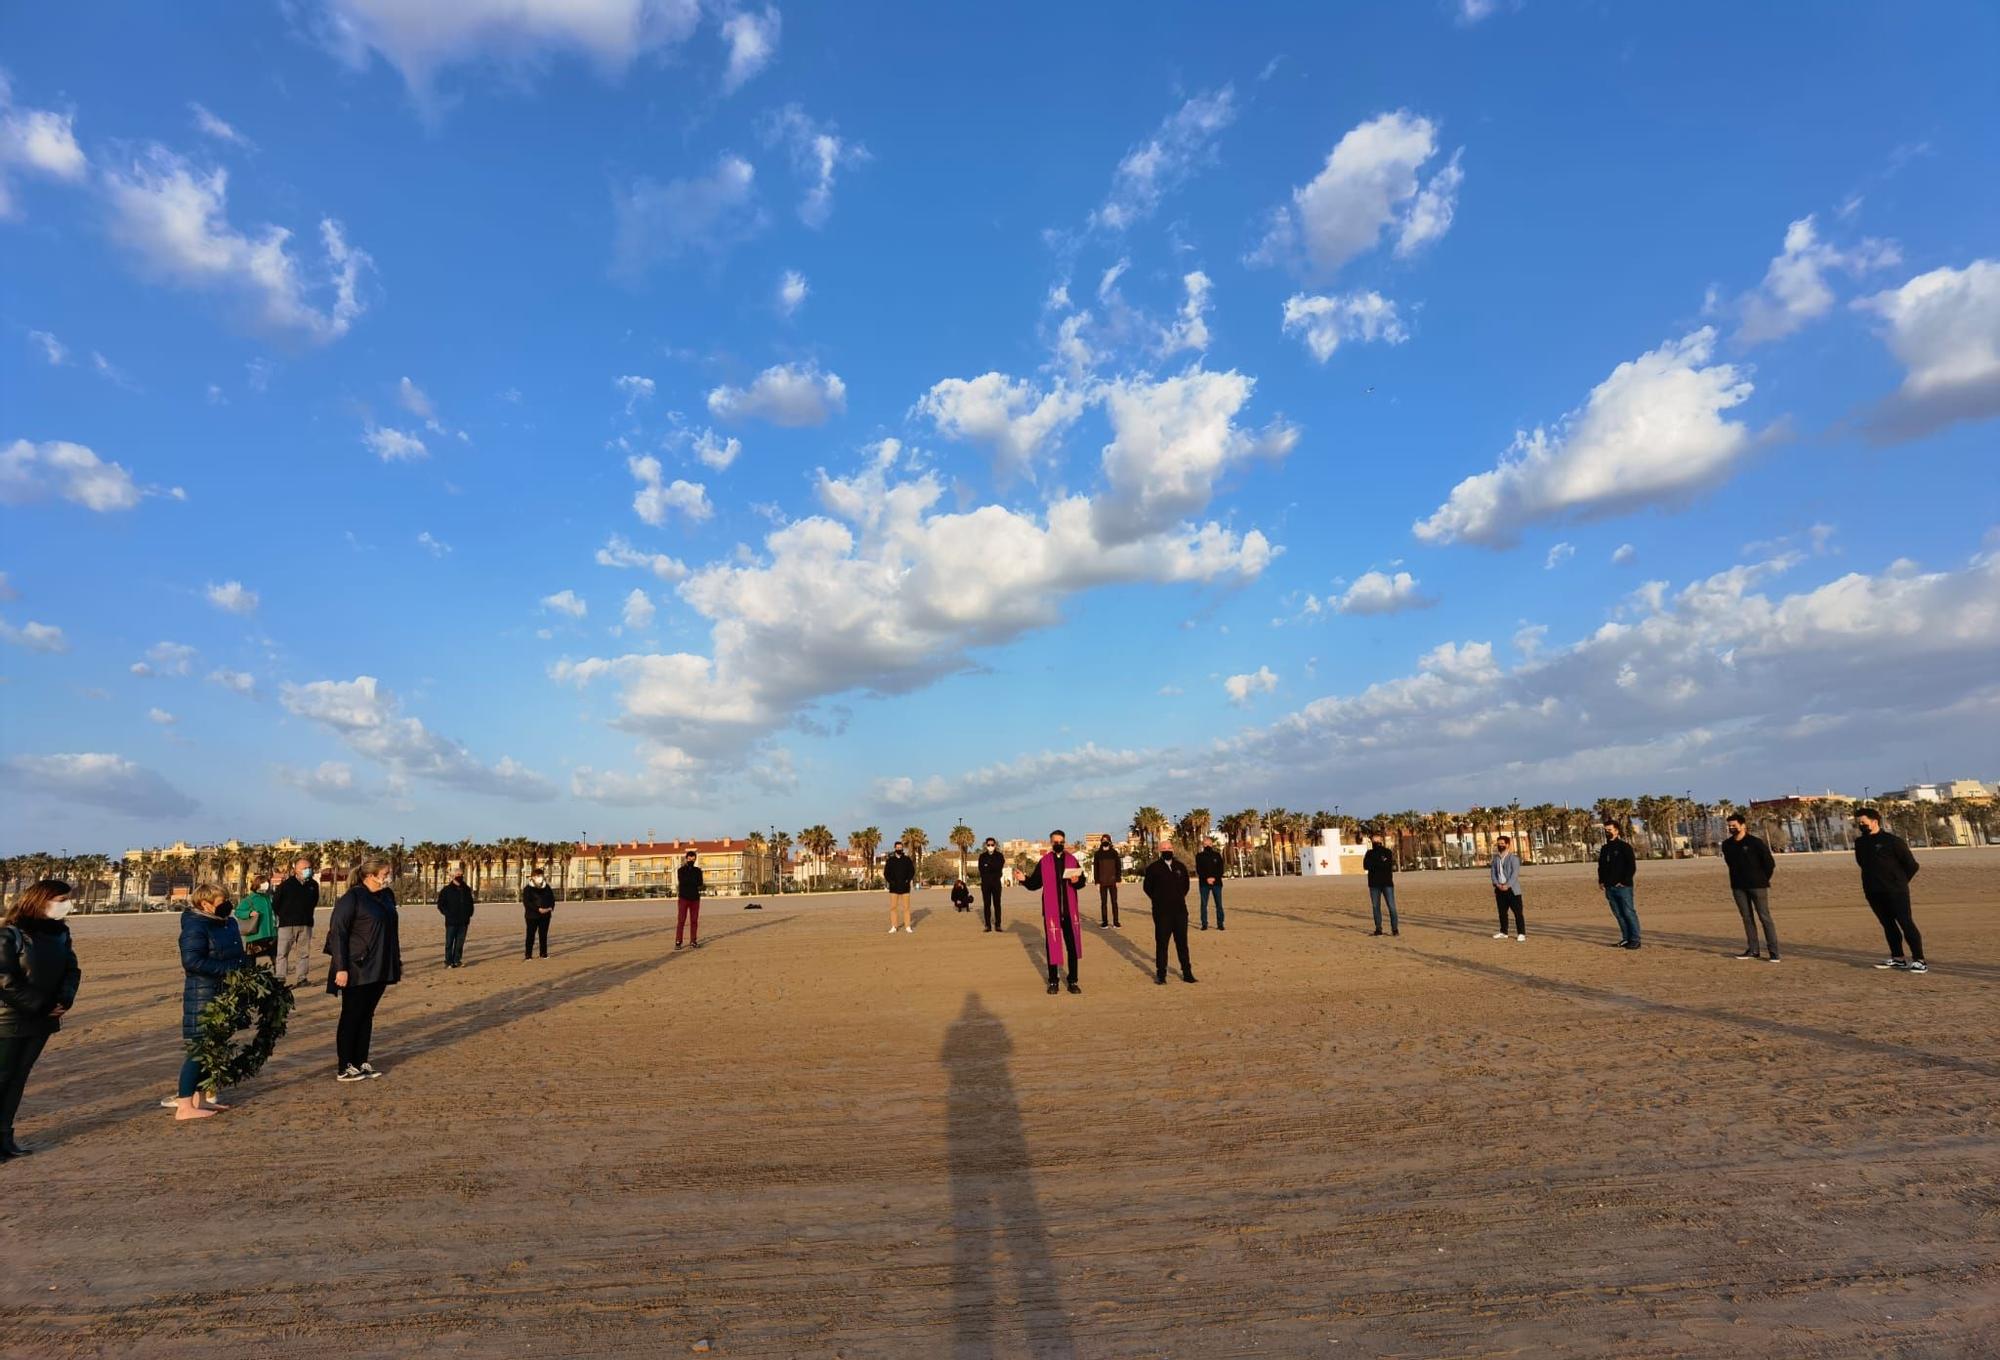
pixel 899 872
pixel 293 902
pixel 1107 866
pixel 455 904
pixel 1617 866
pixel 1381 867
pixel 38 972
pixel 211 949
pixel 1887 866
pixel 992 867
pixel 363 938
pixel 534 899
pixel 687 882
pixel 1750 861
pixel 961 896
pixel 1166 885
pixel 1208 863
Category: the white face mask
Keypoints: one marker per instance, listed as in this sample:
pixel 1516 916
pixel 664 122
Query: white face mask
pixel 305 874
pixel 58 910
pixel 387 879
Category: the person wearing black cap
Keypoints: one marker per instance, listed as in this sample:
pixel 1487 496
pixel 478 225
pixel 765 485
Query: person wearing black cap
pixel 992 868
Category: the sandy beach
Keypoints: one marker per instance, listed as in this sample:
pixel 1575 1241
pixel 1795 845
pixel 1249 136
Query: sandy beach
pixel 811 1139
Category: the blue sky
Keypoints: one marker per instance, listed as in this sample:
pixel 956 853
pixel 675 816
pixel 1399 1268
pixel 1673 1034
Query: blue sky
pixel 553 419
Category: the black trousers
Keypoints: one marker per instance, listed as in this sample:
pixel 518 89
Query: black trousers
pixel 17 1059
pixel 1504 898
pixel 989 903
pixel 1892 909
pixel 1068 920
pixel 1107 898
pixel 1170 923
pixel 356 1030
pixel 538 930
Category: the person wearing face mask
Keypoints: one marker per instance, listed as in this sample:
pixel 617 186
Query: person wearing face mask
pixel 1106 867
pixel 899 875
pixel 538 904
pixel 455 904
pixel 1208 872
pixel 367 959
pixel 1166 886
pixel 961 896
pixel 257 921
pixel 1380 866
pixel 292 906
pixel 39 978
pixel 211 949
pixel 688 883
pixel 1059 879
pixel 992 868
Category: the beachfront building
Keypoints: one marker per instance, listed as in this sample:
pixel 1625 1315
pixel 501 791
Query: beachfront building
pixel 649 867
pixel 1330 856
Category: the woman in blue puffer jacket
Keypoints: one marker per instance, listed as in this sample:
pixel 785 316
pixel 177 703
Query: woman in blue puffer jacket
pixel 211 949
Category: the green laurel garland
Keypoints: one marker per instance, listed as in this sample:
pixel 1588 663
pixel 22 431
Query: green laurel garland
pixel 249 998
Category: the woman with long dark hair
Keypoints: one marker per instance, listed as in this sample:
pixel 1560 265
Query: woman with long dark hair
pixel 367 960
pixel 38 982
pixel 211 949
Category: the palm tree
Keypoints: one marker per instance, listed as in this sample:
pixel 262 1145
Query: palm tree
pixel 605 854
pixel 962 837
pixel 916 842
pixel 818 842
pixel 781 849
pixel 1200 822
pixel 1149 824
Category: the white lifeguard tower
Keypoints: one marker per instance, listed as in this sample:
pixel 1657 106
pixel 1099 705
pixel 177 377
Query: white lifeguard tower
pixel 1329 856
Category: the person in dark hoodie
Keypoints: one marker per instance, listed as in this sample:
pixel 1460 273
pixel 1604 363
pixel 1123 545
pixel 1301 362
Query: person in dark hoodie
pixel 961 896
pixel 1166 887
pixel 293 905
pixel 1751 865
pixel 1106 867
pixel 687 895
pixel 899 875
pixel 538 904
pixel 1380 866
pixel 455 903
pixel 367 959
pixel 39 978
pixel 1208 868
pixel 1887 866
pixel 992 869
pixel 211 949
pixel 1617 866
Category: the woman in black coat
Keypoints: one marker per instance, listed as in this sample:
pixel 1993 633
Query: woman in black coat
pixel 367 960
pixel 211 949
pixel 38 982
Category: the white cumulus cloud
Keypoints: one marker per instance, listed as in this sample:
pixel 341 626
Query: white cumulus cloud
pixel 1795 291
pixel 232 597
pixel 1944 326
pixel 100 780
pixel 1369 186
pixel 39 142
pixel 752 40
pixel 702 214
pixel 34 637
pixel 1379 592
pixel 393 445
pixel 1322 322
pixel 1655 432
pixel 656 498
pixel 639 610
pixel 1242 688
pixel 370 721
pixel 1183 143
pixel 790 395
pixel 60 470
pixel 618 552
pixel 566 602
pixel 792 291
pixel 818 153
pixel 1011 416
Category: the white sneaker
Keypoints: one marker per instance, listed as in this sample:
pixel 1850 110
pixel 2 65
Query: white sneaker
pixel 909 930
pixel 351 1073
pixel 1501 936
pixel 1520 937
pixel 892 930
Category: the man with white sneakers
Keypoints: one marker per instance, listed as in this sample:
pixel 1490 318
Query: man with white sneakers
pixel 1505 870
pixel 899 874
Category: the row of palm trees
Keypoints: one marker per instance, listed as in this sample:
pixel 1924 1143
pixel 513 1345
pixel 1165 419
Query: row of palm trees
pixel 1258 842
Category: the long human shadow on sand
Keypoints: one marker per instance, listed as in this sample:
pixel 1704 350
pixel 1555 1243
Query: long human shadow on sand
pixel 996 1217
pixel 393 1040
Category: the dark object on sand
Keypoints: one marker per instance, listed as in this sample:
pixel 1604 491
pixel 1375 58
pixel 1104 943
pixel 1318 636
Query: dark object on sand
pixel 753 906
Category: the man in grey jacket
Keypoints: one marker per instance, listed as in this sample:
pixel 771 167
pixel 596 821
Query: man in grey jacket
pixel 1505 870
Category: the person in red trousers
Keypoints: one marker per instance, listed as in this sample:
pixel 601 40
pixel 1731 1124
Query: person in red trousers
pixel 688 889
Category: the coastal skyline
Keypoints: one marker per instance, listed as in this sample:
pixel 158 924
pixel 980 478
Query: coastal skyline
pixel 711 416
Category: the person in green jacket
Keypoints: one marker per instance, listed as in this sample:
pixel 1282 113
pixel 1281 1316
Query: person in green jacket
pixel 257 921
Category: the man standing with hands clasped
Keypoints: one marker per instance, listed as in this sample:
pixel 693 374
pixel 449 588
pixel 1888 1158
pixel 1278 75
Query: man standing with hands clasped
pixel 1106 866
pixel 1208 868
pixel 992 867
pixel 1166 887
pixel 455 905
pixel 687 889
pixel 1887 866
pixel 538 904
pixel 1617 866
pixel 293 904
pixel 1380 866
pixel 1751 865
pixel 899 875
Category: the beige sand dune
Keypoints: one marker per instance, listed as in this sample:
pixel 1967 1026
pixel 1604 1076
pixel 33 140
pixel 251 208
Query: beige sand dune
pixel 812 1139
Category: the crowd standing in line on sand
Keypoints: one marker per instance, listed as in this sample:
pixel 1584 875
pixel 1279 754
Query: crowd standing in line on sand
pixel 40 976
